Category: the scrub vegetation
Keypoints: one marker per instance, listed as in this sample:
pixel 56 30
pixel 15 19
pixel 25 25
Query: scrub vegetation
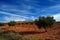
pixel 30 29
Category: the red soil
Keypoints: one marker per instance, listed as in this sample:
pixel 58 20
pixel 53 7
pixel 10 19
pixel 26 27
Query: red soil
pixel 52 33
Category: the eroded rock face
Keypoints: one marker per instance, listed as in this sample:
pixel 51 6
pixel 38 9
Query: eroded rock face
pixel 52 33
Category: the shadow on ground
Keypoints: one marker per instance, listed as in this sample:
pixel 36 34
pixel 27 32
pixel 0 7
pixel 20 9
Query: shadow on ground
pixel 32 32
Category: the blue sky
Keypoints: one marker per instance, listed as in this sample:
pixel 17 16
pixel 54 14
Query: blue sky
pixel 20 10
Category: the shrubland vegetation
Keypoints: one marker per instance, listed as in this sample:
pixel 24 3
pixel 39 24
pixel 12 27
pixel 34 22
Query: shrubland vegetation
pixel 12 23
pixel 40 22
pixel 45 22
pixel 7 35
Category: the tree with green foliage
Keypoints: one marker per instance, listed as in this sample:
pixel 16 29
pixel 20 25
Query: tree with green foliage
pixel 45 22
pixel 12 23
pixel 50 21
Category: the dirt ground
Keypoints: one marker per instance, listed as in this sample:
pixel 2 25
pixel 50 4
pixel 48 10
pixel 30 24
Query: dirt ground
pixel 51 34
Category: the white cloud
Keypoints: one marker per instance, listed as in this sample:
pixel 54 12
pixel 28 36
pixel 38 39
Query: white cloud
pixel 51 10
pixel 57 16
pixel 55 7
pixel 10 14
pixel 6 9
pixel 6 13
pixel 11 8
pixel 14 18
pixel 7 18
pixel 33 18
pixel 17 10
pixel 27 7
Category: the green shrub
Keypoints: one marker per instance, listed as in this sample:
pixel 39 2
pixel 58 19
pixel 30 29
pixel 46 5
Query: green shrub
pixel 45 21
pixel 50 21
pixel 12 23
pixel 1 24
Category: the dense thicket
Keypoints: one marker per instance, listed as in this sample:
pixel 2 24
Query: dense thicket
pixel 45 21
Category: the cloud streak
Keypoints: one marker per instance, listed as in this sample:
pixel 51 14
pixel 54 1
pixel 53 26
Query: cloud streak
pixel 28 9
pixel 6 13
pixel 51 10
pixel 10 14
pixel 14 18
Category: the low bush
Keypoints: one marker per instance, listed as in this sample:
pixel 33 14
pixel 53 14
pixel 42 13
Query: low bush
pixel 12 23
pixel 1 24
pixel 16 36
